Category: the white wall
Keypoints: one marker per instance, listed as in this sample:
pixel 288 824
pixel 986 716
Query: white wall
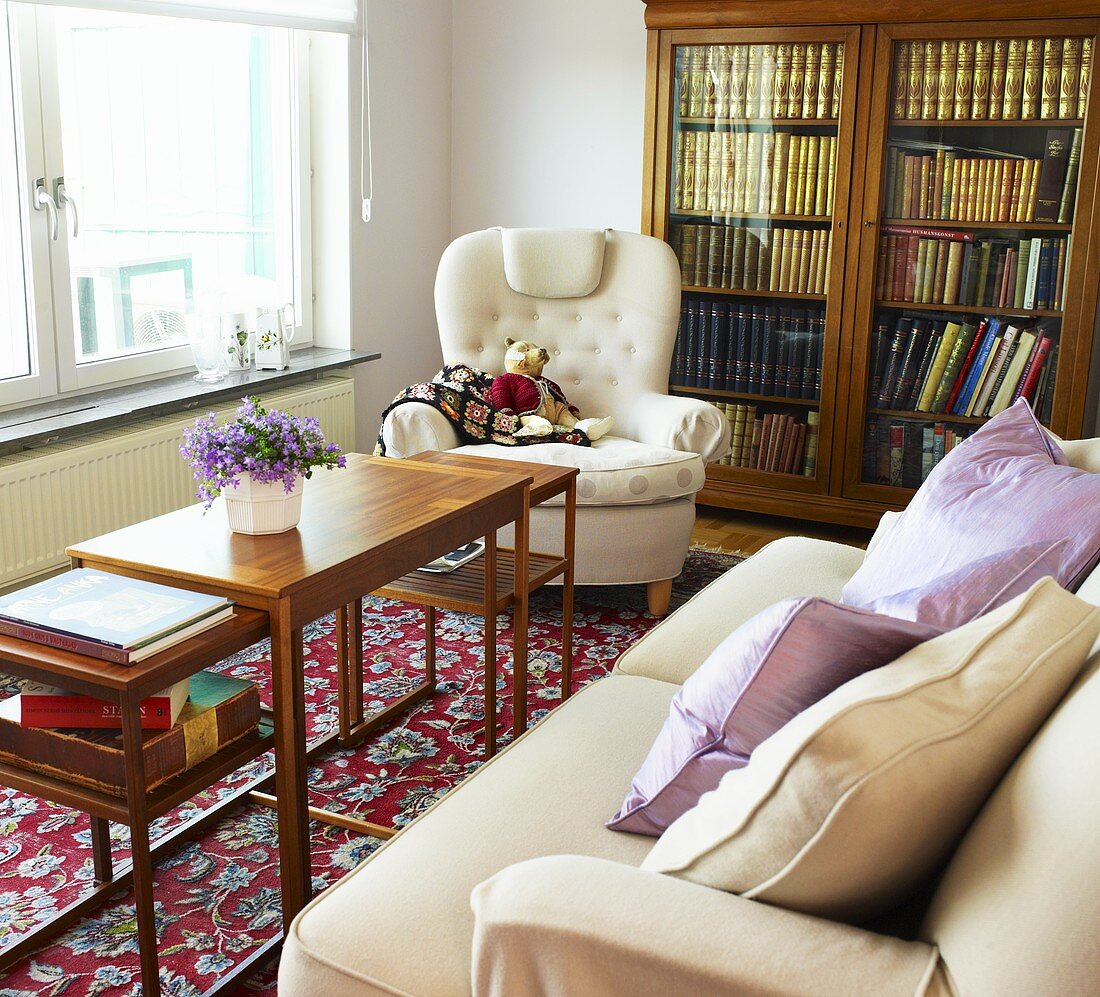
pixel 385 268
pixel 547 113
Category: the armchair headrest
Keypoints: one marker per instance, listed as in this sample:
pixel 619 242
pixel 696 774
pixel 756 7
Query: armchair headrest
pixel 553 262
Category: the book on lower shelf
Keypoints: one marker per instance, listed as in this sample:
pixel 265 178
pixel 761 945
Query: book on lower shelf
pixel 777 442
pixel 902 453
pixel 220 711
pixel 48 706
pixel 119 619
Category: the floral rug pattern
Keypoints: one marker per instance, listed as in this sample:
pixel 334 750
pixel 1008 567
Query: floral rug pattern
pixel 217 898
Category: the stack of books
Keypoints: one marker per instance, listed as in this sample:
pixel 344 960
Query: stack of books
pixel 786 80
pixel 767 350
pixel 775 442
pixel 753 259
pixel 970 369
pixel 953 183
pixel 991 79
pixel 118 619
pixel 776 173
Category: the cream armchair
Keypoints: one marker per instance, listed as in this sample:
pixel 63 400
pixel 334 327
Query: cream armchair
pixel 605 304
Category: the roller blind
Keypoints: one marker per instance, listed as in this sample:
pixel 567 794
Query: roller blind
pixel 314 15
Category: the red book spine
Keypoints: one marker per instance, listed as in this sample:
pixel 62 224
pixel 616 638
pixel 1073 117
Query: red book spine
pixel 64 642
pixel 86 711
pixel 1030 377
pixel 965 368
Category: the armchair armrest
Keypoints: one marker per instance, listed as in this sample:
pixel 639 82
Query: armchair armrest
pixel 413 427
pixel 676 422
pixel 792 566
pixel 566 924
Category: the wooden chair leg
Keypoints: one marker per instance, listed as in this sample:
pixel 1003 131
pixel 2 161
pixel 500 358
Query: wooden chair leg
pixel 658 595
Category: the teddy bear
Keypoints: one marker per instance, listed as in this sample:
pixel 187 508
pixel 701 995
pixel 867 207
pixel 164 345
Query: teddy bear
pixel 538 401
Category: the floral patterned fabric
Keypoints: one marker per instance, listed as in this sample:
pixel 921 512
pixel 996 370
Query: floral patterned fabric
pixel 463 395
pixel 217 898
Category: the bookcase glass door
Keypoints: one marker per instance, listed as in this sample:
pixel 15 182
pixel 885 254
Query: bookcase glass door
pixel 755 141
pixel 972 267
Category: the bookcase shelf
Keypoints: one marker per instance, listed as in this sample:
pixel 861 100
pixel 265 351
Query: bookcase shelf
pixel 885 158
pixel 745 396
pixel 738 293
pixel 965 420
pixel 749 216
pixel 994 310
pixel 956 224
pixel 986 123
pixel 767 123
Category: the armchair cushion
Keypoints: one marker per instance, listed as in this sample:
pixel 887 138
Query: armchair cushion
pixel 567 924
pixel 613 471
pixel 857 800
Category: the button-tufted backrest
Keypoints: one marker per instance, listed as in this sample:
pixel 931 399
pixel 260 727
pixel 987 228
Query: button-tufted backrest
pixel 605 347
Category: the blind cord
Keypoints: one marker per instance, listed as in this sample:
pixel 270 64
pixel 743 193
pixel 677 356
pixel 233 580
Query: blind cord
pixel 366 159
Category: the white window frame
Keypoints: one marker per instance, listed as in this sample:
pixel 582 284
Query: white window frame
pixel 55 371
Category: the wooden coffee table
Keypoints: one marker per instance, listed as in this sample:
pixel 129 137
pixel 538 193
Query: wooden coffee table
pixel 466 590
pixel 361 527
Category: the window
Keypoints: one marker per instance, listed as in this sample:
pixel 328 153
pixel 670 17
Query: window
pixel 170 149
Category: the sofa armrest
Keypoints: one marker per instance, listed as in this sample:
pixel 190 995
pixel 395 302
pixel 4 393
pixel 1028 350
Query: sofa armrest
pixel 792 566
pixel 567 924
pixel 670 421
pixel 414 427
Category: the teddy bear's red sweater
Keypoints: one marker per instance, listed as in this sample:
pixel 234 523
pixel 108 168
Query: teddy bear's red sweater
pixel 521 394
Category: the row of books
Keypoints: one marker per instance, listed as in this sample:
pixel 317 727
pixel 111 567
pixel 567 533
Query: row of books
pixel 903 454
pixel 946 267
pixel 753 259
pixel 785 80
pixel 771 441
pixel 939 183
pixel 991 78
pixel 776 173
pixel 962 368
pixel 759 349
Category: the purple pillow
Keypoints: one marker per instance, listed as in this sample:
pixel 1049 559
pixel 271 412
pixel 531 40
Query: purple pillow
pixel 1007 486
pixel 974 589
pixel 769 669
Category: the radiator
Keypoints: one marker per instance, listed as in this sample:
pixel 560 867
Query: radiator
pixel 57 495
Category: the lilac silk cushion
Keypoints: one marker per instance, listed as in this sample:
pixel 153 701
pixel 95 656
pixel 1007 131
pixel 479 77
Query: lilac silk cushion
pixel 769 669
pixel 1005 488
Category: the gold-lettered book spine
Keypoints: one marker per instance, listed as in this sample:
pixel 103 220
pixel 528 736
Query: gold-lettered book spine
pixel 797 83
pixel 997 79
pixel 825 80
pixel 695 81
pixel 739 67
pixel 687 140
pixel 838 80
pixel 979 93
pixel 813 72
pixel 1084 76
pixel 901 80
pixel 1033 79
pixel 722 84
pixel 1014 78
pixel 782 79
pixel 714 171
pixel 930 98
pixel 1070 81
pixel 945 101
pixel 683 80
pixel 1052 77
pixel 710 81
pixel 702 155
pixel 767 81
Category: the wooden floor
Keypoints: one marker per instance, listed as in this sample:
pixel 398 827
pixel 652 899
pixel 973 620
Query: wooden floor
pixel 746 532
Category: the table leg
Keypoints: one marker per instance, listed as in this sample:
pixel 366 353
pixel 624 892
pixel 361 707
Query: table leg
pixel 343 674
pixel 139 844
pixel 567 590
pixel 523 594
pixel 429 646
pixel 490 644
pixel 101 850
pixel 290 761
pixel 355 662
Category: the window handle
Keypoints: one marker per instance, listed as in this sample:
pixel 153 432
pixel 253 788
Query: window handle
pixel 65 199
pixel 44 202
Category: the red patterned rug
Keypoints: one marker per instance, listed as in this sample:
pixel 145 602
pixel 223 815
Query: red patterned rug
pixel 217 898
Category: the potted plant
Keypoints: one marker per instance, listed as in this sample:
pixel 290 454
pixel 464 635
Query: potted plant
pixel 258 461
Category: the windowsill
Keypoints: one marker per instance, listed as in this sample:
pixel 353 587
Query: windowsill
pixel 49 422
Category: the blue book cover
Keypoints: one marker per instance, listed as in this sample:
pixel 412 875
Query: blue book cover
pixel 107 609
pixel 976 368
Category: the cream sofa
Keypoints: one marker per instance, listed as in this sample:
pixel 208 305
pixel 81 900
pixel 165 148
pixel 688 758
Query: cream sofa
pixel 512 884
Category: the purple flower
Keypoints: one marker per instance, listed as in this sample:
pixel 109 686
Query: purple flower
pixel 268 446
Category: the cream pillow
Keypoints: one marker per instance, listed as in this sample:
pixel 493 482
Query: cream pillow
pixel 852 804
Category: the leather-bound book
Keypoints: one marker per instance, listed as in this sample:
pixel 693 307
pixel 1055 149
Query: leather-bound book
pixel 945 100
pixel 825 81
pixel 1070 79
pixel 710 79
pixel 1032 89
pixel 782 80
pixel 979 91
pixel 739 68
pixel 696 72
pixel 722 83
pixel 901 80
pixel 220 710
pixel 1069 184
pixel 930 98
pixel 838 80
pixel 812 81
pixel 796 85
pixel 964 78
pixel 997 73
pixel 1052 174
pixel 1014 78
pixel 1084 75
pixel 915 96
pixel 714 172
pixel 1052 77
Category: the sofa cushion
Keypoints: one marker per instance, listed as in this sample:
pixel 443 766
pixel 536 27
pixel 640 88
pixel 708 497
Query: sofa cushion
pixel 768 670
pixel 859 799
pixel 1006 486
pixel 613 471
pixel 1018 909
pixel 401 922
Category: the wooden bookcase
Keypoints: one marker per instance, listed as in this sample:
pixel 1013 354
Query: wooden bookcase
pixel 843 306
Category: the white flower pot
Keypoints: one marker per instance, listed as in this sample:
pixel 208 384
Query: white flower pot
pixel 261 507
